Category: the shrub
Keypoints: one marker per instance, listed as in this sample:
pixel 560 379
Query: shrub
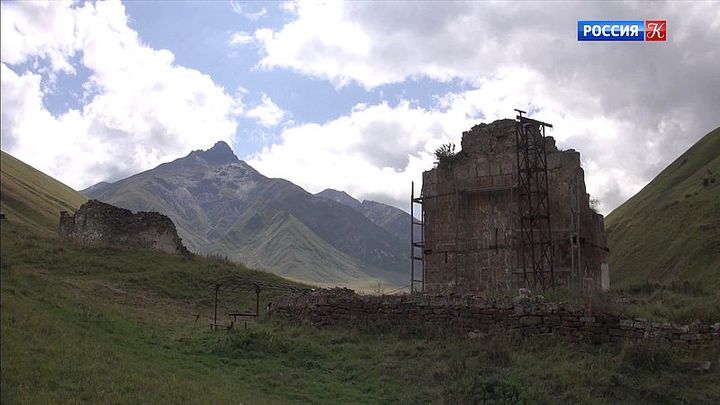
pixel 445 153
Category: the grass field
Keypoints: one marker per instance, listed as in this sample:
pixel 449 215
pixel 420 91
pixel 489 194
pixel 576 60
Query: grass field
pixel 102 325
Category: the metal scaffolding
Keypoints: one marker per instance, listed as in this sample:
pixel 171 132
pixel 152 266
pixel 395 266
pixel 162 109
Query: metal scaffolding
pixel 417 244
pixel 535 253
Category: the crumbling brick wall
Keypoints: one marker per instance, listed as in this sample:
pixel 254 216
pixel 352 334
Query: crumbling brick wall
pixel 98 222
pixel 438 314
pixel 471 233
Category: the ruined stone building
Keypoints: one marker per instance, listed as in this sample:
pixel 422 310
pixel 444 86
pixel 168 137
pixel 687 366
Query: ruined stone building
pixel 509 210
pixel 100 223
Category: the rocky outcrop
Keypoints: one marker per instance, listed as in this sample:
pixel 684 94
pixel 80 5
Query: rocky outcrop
pixel 99 223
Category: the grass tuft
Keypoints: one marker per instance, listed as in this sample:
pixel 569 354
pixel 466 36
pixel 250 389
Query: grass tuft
pixel 647 356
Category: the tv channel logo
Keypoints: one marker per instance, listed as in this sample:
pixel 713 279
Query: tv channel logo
pixel 622 30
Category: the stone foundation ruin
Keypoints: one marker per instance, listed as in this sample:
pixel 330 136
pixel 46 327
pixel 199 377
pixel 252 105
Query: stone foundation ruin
pixel 100 223
pixel 475 316
pixel 509 210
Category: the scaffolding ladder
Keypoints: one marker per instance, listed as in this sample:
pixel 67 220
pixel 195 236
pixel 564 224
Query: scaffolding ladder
pixel 536 249
pixel 417 281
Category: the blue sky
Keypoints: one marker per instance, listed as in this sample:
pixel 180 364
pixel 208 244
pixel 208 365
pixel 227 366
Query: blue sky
pixel 354 96
pixel 202 46
pixel 183 28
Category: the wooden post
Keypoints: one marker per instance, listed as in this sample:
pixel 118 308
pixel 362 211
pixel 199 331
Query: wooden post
pixel 257 302
pixel 412 239
pixel 217 287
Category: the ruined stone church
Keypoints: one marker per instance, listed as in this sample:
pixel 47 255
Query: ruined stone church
pixel 509 210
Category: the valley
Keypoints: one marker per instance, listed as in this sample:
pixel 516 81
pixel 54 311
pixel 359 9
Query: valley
pixel 359 202
pixel 103 324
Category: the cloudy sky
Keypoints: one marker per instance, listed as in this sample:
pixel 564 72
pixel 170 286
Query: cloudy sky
pixel 353 96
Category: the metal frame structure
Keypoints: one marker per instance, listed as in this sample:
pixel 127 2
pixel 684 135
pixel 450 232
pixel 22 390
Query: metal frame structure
pixel 536 249
pixel 419 244
pixel 233 283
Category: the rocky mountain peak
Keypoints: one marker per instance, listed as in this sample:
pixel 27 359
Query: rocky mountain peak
pixel 219 154
pixel 341 197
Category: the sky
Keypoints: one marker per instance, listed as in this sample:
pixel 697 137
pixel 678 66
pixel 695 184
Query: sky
pixel 353 96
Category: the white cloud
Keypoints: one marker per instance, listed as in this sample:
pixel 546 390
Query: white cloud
pixel 289 6
pixel 238 9
pixel 374 152
pixel 629 109
pixel 321 42
pixel 267 112
pixel 257 15
pixel 381 43
pixel 142 109
pixel 39 30
pixel 241 38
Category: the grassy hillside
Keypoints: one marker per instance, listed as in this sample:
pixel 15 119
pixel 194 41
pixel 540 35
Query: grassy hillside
pixel 102 325
pixel 670 231
pixel 99 325
pixel 84 324
pixel 33 198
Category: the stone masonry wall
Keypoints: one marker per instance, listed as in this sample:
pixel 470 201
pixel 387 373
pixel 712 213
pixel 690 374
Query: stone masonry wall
pixel 470 211
pixel 97 222
pixel 473 315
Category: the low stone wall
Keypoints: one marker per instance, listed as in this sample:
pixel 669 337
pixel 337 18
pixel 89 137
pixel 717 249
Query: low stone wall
pixel 473 316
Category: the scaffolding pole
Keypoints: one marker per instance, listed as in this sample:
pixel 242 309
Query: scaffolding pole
pixel 417 244
pixel 535 253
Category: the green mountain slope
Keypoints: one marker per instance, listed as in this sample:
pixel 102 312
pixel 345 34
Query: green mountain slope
pixel 32 198
pixel 288 245
pixel 221 205
pixel 670 230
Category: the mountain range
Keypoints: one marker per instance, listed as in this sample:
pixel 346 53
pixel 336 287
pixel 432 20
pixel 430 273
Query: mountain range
pixel 223 206
pixel 668 232
pixel 393 220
